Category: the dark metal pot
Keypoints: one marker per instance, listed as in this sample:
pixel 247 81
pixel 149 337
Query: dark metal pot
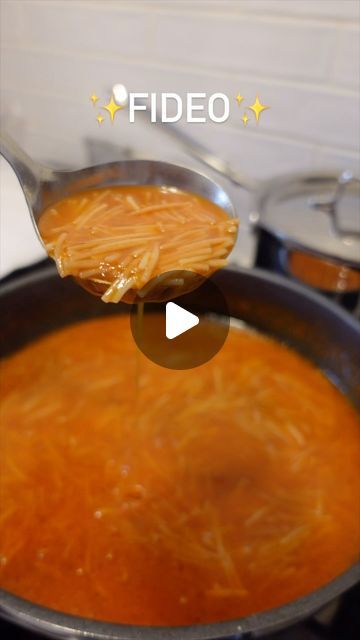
pixel 40 302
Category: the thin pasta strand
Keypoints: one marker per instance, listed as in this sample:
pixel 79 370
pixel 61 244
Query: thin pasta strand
pixel 107 236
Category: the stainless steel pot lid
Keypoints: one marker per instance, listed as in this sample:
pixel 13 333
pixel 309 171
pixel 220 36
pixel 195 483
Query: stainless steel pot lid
pixel 319 213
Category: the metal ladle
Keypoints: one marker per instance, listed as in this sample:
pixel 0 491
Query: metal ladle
pixel 44 186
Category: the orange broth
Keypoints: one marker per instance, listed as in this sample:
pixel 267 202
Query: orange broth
pixel 115 240
pixel 204 495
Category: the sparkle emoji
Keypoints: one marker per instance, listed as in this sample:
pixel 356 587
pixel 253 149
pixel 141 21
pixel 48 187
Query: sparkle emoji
pixel 94 98
pixel 239 98
pixel 112 108
pixel 258 108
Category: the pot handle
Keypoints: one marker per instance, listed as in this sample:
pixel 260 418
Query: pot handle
pixel 204 155
pixel 200 152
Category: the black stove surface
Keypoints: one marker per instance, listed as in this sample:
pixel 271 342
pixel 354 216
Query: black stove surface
pixel 338 621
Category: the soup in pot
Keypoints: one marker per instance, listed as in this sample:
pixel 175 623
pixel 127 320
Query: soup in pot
pixel 185 497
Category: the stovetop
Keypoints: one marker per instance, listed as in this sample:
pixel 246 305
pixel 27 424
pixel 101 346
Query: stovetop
pixel 338 621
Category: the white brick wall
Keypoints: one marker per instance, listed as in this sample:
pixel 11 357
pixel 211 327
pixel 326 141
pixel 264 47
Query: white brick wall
pixel 301 56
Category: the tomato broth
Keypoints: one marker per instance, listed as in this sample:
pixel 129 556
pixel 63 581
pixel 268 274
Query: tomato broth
pixel 189 496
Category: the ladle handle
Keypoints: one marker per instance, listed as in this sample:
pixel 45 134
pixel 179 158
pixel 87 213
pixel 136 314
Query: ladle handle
pixel 28 172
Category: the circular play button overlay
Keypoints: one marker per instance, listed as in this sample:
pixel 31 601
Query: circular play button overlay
pixel 186 330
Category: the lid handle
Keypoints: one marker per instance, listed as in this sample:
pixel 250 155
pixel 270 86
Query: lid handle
pixel 331 206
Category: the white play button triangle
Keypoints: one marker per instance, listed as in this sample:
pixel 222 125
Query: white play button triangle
pixel 178 320
pixel 159 335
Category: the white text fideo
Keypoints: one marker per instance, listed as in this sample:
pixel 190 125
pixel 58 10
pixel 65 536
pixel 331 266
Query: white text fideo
pixel 170 107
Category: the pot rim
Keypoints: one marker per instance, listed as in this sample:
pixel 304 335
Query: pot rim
pixel 58 624
pixel 49 621
pixel 37 272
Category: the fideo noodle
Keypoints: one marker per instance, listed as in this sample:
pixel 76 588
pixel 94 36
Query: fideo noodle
pixel 117 239
pixel 196 496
